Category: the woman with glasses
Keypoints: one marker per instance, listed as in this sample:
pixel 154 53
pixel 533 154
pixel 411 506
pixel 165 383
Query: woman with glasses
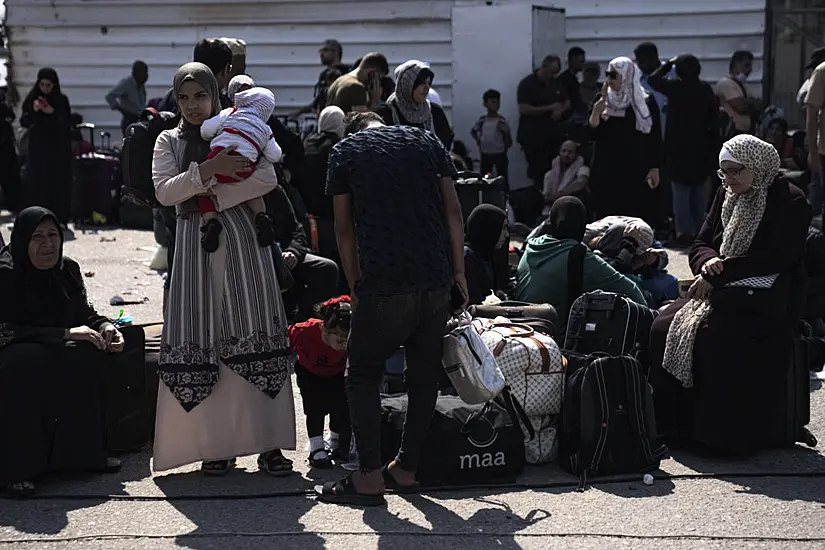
pixel 720 356
pixel 627 145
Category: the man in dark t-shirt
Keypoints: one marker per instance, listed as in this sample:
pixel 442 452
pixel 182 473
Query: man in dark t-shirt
pixel 542 103
pixel 401 239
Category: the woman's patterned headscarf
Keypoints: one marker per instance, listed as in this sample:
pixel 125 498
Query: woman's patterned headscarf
pixel 741 215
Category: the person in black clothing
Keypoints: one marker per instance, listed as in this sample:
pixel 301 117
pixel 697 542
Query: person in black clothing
pixel 542 103
pixel 409 106
pixel 627 149
pixel 401 238
pixel 485 253
pixel 315 278
pixel 576 59
pixel 314 178
pixel 54 350
pixel 691 140
pixel 331 53
pixel 9 164
pixel 46 114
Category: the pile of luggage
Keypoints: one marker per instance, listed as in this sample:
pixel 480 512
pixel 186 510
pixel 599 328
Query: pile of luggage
pixel 529 392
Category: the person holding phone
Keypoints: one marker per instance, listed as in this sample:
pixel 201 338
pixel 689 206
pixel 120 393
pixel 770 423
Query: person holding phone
pixel 46 114
pixel 627 149
pixel 360 89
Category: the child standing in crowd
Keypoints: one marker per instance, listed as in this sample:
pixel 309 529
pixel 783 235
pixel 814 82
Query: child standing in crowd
pixel 492 134
pixel 244 129
pixel 321 345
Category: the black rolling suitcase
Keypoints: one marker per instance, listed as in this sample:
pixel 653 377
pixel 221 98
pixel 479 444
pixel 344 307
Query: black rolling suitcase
pixel 609 323
pixel 474 189
pixel 97 180
pixel 124 396
pixel 795 400
pixel 540 317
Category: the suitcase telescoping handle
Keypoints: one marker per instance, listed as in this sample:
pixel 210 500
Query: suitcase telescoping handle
pixel 91 128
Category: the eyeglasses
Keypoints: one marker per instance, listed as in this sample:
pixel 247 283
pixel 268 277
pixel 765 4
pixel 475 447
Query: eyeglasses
pixel 612 75
pixel 733 173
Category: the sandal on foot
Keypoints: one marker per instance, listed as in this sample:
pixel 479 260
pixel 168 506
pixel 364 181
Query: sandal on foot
pixel 343 492
pixel 21 489
pixel 217 467
pixel 274 464
pixel 392 484
pixel 323 463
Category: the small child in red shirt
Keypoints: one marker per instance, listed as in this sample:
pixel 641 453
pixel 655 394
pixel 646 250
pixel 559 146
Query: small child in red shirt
pixel 321 345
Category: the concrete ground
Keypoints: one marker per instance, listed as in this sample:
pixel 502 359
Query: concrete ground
pixel 774 500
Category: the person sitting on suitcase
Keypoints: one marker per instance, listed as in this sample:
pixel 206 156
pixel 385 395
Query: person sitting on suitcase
pixel 243 130
pixel 321 345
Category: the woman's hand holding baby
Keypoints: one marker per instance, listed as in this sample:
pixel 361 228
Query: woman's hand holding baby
pixel 225 164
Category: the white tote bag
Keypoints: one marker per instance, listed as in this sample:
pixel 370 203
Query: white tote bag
pixel 470 365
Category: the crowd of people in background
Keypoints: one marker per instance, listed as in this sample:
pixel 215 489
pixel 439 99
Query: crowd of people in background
pixel 621 160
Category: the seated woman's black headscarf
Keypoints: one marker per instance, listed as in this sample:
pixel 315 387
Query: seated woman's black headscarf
pixel 485 265
pixel 568 219
pixel 31 296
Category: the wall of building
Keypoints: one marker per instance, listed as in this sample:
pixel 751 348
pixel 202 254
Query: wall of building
pixel 92 43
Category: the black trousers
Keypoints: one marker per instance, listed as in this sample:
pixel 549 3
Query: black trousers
pixel 322 396
pixel 381 325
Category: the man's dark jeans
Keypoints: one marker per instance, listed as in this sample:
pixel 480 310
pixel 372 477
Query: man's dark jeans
pixel 380 325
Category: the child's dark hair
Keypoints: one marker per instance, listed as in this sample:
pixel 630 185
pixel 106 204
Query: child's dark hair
pixel 336 313
pixel 491 94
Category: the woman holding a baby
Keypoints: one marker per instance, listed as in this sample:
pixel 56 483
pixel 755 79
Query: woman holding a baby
pixel 224 365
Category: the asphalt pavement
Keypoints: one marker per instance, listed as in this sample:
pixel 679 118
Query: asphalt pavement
pixel 773 500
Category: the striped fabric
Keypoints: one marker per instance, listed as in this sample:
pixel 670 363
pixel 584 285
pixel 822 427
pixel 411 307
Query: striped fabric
pixel 244 331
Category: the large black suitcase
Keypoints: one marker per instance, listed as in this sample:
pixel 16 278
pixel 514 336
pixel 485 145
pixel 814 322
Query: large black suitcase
pixel 541 317
pixel 124 396
pixel 609 323
pixel 97 181
pixel 795 400
pixel 474 189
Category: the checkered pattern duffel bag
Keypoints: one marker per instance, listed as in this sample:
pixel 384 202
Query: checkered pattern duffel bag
pixel 531 362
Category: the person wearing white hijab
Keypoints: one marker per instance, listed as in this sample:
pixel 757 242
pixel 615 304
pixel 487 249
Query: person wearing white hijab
pixel 331 119
pixel 720 356
pixel 628 151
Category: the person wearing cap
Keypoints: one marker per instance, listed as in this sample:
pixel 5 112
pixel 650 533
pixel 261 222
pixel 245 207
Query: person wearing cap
pixel 330 52
pixel 238 48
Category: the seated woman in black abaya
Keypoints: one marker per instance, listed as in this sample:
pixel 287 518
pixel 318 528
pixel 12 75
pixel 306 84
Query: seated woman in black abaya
pixel 53 349
pixel 720 357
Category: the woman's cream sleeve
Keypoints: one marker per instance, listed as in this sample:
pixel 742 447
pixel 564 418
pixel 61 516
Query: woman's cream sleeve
pixel 228 195
pixel 171 185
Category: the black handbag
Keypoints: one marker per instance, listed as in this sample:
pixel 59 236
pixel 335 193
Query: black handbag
pixel 761 295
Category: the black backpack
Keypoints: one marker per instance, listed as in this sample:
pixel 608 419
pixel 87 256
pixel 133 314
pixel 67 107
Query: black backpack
pixel 608 422
pixel 136 155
